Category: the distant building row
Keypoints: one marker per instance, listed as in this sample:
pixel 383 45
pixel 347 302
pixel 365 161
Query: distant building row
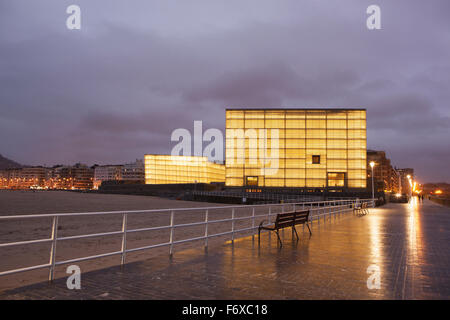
pixel 386 177
pixel 77 177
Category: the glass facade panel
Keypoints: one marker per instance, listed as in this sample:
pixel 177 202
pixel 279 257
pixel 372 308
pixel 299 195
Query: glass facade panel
pixel 295 143
pixel 336 124
pixel 295 133
pixel 295 123
pixel 235 123
pixel 295 114
pixel 235 114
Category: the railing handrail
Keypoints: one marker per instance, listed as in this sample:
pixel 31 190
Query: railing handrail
pixel 71 214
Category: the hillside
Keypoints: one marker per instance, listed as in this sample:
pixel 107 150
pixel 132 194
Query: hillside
pixel 6 163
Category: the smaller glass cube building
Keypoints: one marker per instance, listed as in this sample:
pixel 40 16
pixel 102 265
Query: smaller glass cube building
pixel 166 169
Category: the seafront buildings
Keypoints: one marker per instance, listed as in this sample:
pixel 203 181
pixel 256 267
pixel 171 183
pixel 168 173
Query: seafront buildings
pixel 134 171
pixel 23 178
pixel 106 173
pixel 131 172
pixel 405 175
pixel 77 177
pixel 310 150
pixel 386 177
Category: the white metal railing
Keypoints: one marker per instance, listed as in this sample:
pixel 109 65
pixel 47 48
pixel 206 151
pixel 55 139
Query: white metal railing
pixel 259 195
pixel 318 210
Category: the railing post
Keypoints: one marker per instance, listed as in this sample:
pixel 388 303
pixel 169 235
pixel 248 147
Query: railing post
pixel 303 208
pixel 171 234
pixel 253 222
pixel 232 225
pixel 124 239
pixel 318 214
pixel 206 229
pixel 53 248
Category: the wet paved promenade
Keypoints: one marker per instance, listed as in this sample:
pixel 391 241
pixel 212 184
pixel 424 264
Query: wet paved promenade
pixel 409 243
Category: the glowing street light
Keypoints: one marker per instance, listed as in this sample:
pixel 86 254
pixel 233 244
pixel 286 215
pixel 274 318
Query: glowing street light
pixel 372 164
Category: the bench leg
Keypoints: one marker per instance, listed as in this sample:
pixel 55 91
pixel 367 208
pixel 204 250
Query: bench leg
pixel 259 236
pixel 296 234
pixel 310 233
pixel 278 235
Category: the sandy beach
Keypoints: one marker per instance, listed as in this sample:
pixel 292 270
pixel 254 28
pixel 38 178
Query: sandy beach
pixel 44 202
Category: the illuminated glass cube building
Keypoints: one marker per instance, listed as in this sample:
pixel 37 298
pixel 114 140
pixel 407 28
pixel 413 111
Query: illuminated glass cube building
pixel 297 148
pixel 166 169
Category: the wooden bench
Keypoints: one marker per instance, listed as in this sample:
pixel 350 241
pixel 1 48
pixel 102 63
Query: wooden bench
pixel 285 220
pixel 361 208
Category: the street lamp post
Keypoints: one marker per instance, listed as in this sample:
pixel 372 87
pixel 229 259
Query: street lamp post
pixel 372 164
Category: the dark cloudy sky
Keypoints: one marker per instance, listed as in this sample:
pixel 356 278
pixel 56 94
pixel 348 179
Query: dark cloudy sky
pixel 137 70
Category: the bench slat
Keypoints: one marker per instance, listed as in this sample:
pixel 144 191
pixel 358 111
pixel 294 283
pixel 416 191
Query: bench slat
pixel 290 219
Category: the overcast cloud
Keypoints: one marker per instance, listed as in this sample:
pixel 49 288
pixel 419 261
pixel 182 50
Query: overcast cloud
pixel 137 70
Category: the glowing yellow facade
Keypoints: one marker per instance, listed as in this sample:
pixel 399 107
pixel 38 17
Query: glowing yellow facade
pixel 296 148
pixel 165 169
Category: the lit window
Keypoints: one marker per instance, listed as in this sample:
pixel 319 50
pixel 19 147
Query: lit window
pixel 252 181
pixel 316 159
pixel 336 179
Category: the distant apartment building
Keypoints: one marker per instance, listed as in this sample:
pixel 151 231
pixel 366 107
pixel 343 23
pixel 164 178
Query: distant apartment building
pixel 166 169
pixel 133 172
pixel 385 176
pixel 77 177
pixel 23 178
pixel 4 177
pixel 405 187
pixel 107 173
